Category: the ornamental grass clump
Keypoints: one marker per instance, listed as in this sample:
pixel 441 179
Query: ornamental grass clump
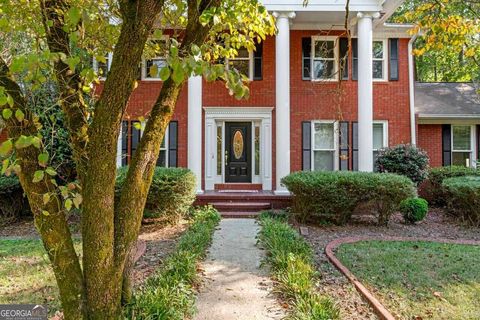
pixel 333 196
pixel 463 198
pixel 414 209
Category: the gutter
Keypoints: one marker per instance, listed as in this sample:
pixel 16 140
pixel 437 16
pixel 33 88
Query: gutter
pixel 411 84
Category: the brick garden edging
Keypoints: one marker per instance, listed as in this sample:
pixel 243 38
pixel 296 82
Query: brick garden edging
pixel 378 307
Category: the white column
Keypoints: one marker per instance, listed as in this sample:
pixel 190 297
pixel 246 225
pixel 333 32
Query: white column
pixel 282 97
pixel 365 91
pixel 195 129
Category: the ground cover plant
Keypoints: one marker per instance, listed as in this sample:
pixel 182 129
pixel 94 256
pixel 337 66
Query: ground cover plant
pixel 170 196
pixel 418 280
pixel 463 198
pixel 26 275
pixel 170 292
pixel 333 196
pixel 291 261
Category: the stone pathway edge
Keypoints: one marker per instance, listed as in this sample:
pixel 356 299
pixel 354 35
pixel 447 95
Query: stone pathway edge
pixel 377 306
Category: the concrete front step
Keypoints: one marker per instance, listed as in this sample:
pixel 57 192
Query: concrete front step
pixel 237 206
pixel 239 214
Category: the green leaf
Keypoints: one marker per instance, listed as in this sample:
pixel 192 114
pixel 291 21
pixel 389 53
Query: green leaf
pixel 51 172
pixel 68 204
pixel 19 115
pixel 164 73
pixel 77 200
pixel 74 15
pixel 6 148
pixel 10 101
pixel 178 73
pixel 24 142
pixel 46 198
pixel 7 113
pixel 153 71
pixel 5 164
pixel 45 213
pixel 38 176
pixel 43 159
pixel 3 100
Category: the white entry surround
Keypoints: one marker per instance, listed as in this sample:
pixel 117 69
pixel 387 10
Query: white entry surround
pixel 215 117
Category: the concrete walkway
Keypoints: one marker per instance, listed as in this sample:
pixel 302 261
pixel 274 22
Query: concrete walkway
pixel 234 286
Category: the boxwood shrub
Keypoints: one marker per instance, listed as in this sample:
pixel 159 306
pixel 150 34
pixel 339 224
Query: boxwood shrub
pixel 171 194
pixel 463 198
pixel 432 189
pixel 414 209
pixel 333 196
pixel 13 204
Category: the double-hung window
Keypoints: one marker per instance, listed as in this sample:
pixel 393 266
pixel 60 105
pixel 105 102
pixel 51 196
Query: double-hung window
pixel 380 138
pixel 379 56
pixel 324 58
pixel 243 62
pixel 324 145
pixel 152 66
pixel 462 145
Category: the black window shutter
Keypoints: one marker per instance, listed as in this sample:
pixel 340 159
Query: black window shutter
pixel 306 146
pixel 355 146
pixel 257 62
pixel 344 58
pixel 134 138
pixel 355 59
pixel 344 141
pixel 446 145
pixel 172 143
pixel 124 142
pixel 393 67
pixel 306 58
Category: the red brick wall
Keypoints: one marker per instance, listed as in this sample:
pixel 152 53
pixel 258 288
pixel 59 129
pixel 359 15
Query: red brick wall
pixel 429 137
pixel 309 100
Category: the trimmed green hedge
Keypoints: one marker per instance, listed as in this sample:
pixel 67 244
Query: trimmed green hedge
pixel 333 196
pixel 414 209
pixel 170 293
pixel 13 204
pixel 171 194
pixel 463 198
pixel 432 189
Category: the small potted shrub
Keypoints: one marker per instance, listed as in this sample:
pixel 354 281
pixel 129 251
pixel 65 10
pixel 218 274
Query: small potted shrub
pixel 414 209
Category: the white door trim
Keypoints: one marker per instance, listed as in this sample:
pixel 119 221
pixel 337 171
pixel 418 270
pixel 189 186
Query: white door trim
pixel 214 115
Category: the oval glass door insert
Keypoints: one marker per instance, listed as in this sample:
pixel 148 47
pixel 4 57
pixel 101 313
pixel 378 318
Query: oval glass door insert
pixel 238 144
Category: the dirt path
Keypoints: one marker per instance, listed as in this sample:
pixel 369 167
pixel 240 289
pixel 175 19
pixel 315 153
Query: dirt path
pixel 235 287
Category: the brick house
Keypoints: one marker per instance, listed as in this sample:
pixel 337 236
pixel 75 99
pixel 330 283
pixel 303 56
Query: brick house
pixel 314 104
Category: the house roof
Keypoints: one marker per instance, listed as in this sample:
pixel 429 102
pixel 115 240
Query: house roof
pixel 446 100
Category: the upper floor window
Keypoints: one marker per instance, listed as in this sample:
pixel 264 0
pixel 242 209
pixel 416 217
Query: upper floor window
pixel 151 67
pixel 325 58
pixel 102 66
pixel 379 59
pixel 243 62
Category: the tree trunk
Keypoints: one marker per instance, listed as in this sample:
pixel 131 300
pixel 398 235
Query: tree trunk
pixel 50 218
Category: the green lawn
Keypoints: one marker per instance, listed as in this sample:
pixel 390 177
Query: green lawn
pixel 419 279
pixel 26 275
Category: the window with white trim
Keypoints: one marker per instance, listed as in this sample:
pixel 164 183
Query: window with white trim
pixel 324 58
pixel 243 62
pixel 462 145
pixel 324 145
pixel 379 56
pixel 152 66
pixel 380 138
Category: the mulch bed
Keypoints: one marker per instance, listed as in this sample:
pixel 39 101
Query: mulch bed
pixel 437 225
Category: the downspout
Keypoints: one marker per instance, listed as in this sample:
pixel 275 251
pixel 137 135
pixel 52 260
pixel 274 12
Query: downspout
pixel 411 83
